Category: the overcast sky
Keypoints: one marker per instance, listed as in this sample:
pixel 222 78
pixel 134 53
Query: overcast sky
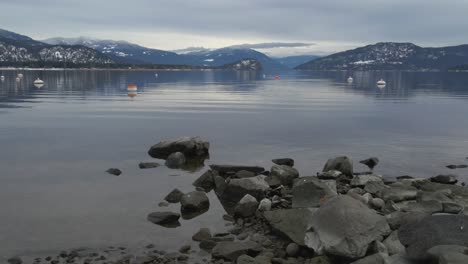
pixel 330 25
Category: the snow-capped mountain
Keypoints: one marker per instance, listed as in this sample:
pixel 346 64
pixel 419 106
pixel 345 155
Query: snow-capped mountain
pixel 123 51
pixel 16 49
pixel 392 56
pixel 244 65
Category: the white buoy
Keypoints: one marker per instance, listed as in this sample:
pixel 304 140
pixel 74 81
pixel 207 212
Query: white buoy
pixel 38 81
pixel 20 75
pixel 2 78
pixel 381 82
pixel 156 75
pixel 18 79
pixel 350 79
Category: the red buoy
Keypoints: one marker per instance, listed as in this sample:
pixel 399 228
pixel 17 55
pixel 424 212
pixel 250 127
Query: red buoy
pixel 276 77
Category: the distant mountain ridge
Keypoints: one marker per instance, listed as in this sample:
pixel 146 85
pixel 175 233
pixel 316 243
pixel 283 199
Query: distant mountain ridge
pixel 18 50
pixel 392 56
pixel 294 61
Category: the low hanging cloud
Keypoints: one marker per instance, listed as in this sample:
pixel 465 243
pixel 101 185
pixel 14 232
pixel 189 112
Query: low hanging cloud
pixel 273 45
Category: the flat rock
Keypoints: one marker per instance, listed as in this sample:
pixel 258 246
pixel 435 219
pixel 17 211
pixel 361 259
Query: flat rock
pixel 189 146
pixel 345 227
pixel 114 171
pixel 167 219
pixel 194 202
pixel 378 258
pixel 148 165
pixel 420 236
pixel 15 260
pixel 445 179
pixel 398 193
pixel 284 161
pixel 206 180
pixel 449 254
pixel 244 174
pixel 281 220
pixel 230 250
pixel 223 169
pixel 174 196
pixel 362 180
pixel 310 192
pixel 463 166
pixel 342 164
pixel 236 189
pixel 284 173
pixel 329 175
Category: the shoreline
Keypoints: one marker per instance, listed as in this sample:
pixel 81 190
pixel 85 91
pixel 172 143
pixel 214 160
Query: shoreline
pixel 278 215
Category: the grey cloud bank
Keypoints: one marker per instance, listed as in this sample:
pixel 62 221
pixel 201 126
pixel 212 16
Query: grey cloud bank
pixel 175 24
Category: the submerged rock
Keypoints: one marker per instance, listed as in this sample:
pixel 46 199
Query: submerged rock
pixel 193 204
pixel 148 165
pixel 189 146
pixel 174 196
pixel 223 169
pixel 114 171
pixel 345 227
pixel 370 162
pixel 463 166
pixel 310 192
pixel 167 219
pixel 202 234
pixel 206 180
pixel 445 179
pixel 15 260
pixel 176 160
pixel 232 250
pixel 284 161
pixel 284 173
pixel 342 164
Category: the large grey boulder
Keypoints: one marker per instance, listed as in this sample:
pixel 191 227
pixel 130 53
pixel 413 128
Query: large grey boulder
pixel 194 202
pixel 343 164
pixel 378 258
pixel 175 160
pixel 189 146
pixel 231 250
pixel 284 173
pixel 223 169
pixel 310 192
pixel 345 227
pixel 448 254
pixel 398 192
pixel 393 244
pixel 420 236
pixel 246 207
pixel 235 189
pixel 293 223
pixel 362 180
pixel 374 187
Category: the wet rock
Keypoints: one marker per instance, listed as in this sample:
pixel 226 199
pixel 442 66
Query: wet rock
pixel 378 258
pixel 398 193
pixel 114 171
pixel 189 146
pixel 457 166
pixel 167 219
pixel 393 244
pixel 206 180
pixel 15 260
pixel 284 173
pixel 175 160
pixel 193 203
pixel 174 196
pixel 370 162
pixel 345 227
pixel 433 196
pixel 450 254
pixel 246 207
pixel 342 164
pixel 236 189
pixel 232 250
pixel 223 169
pixel 332 175
pixel 292 249
pixel 148 165
pixel 207 245
pixel 185 249
pixel 362 180
pixel 445 179
pixel 281 220
pixel 451 208
pixel 310 192
pixel 265 205
pixel 284 161
pixel 420 236
pixel 202 234
pixel 244 174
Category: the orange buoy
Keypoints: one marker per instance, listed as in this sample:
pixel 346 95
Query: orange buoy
pixel 132 87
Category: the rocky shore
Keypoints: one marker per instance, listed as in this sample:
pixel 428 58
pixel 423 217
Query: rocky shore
pixel 280 216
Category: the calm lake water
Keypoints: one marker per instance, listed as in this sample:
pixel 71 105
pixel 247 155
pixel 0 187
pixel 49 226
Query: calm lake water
pixel 57 141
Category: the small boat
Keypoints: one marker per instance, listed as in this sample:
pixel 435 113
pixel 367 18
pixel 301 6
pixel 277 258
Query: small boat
pixel 20 75
pixel 38 81
pixel 2 78
pixel 350 79
pixel 381 82
pixel 132 88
